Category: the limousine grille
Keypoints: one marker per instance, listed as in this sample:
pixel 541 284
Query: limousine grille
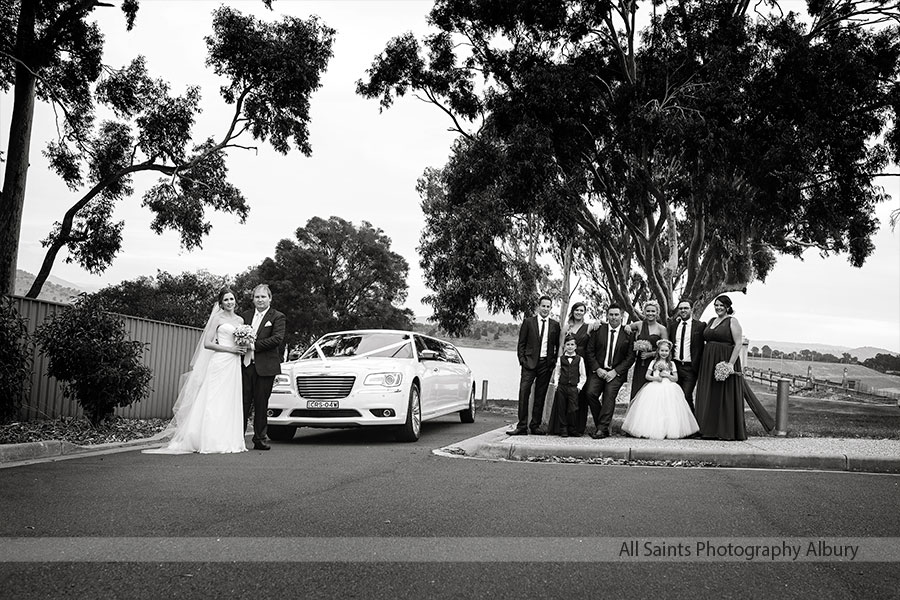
pixel 324 387
pixel 324 413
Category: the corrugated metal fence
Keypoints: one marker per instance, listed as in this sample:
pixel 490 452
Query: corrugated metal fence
pixel 168 355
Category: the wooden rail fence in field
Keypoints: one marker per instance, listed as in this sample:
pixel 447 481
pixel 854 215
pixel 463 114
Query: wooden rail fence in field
pixel 850 386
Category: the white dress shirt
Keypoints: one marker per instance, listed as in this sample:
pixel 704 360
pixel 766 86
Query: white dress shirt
pixel 611 341
pixel 687 325
pixel 254 324
pixel 545 337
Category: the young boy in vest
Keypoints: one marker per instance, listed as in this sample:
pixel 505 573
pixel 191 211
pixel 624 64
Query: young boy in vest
pixel 571 377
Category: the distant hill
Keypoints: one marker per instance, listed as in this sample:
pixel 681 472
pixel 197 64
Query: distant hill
pixel 54 292
pixel 861 353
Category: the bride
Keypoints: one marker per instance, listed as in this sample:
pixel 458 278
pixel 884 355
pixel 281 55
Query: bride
pixel 659 410
pixel 208 415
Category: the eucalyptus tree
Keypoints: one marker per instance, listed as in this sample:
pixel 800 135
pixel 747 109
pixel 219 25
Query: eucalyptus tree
pixel 333 276
pixel 50 51
pixel 681 156
pixel 183 299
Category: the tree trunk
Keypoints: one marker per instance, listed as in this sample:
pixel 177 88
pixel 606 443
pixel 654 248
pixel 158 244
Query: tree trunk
pixel 563 309
pixel 49 258
pixel 672 267
pixel 64 236
pixel 12 197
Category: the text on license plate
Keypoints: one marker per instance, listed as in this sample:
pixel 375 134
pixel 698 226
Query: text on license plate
pixel 321 404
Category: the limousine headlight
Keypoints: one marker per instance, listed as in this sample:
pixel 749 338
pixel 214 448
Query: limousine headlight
pixel 282 381
pixel 384 379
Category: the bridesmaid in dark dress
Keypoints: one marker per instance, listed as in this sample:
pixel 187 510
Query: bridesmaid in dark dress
pixel 720 404
pixel 652 331
pixel 579 328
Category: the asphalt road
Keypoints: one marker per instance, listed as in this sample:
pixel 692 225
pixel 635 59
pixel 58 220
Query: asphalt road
pixel 338 490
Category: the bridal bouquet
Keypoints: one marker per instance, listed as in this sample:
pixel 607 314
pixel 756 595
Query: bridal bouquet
pixel 723 370
pixel 643 346
pixel 244 336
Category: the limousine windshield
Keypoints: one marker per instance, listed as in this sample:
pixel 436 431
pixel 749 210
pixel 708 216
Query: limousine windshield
pixel 360 345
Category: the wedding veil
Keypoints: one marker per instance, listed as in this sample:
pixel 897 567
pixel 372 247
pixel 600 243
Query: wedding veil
pixel 189 391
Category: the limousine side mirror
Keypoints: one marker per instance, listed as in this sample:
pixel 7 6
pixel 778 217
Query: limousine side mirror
pixel 428 355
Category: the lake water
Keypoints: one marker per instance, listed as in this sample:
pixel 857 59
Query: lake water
pixel 500 368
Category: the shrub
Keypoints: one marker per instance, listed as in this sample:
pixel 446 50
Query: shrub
pixel 90 354
pixel 15 360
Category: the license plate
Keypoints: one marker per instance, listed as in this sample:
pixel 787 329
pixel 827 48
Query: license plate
pixel 321 404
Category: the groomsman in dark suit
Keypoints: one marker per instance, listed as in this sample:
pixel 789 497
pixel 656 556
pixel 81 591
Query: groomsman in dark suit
pixel 609 355
pixel 686 334
pixel 537 350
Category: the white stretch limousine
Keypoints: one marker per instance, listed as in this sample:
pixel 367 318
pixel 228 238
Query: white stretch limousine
pixel 371 377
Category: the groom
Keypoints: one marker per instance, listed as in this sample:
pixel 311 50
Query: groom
pixel 262 363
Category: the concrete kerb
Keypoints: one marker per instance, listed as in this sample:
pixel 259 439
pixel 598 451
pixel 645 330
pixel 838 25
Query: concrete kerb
pixel 868 464
pixel 11 453
pixel 494 445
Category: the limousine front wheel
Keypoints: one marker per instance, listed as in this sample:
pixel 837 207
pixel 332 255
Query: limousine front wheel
pixel 281 433
pixel 468 415
pixel 409 431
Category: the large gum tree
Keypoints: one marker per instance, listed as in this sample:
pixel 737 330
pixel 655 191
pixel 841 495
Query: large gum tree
pixel 50 51
pixel 679 147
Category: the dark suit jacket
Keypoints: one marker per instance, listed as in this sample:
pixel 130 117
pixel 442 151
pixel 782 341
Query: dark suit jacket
pixel 269 338
pixel 697 341
pixel 529 348
pixel 623 355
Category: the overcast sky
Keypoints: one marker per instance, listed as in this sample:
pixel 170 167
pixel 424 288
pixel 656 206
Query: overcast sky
pixel 364 167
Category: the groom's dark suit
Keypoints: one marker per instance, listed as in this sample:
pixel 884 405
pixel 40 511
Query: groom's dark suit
pixel 535 370
pixel 601 394
pixel 693 344
pixel 259 376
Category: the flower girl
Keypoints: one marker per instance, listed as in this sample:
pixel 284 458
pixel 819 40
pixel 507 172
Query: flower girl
pixel 659 411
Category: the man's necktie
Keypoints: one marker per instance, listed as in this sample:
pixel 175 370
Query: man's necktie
pixel 543 323
pixel 254 324
pixel 681 344
pixel 611 344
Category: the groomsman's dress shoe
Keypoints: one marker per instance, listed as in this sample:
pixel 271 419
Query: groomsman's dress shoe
pixel 517 432
pixel 563 434
pixel 261 446
pixel 538 432
pixel 601 434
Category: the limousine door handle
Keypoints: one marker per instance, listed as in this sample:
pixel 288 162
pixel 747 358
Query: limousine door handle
pixel 435 369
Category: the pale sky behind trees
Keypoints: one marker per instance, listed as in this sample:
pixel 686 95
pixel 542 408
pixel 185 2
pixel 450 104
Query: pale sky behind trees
pixel 365 166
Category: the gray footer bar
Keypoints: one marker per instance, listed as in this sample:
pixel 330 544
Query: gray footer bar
pixel 447 549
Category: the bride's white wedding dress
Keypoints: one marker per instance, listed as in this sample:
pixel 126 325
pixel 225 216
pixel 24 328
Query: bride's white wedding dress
pixel 210 415
pixel 659 411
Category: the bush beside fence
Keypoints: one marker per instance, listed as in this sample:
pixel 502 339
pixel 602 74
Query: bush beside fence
pixel 168 355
